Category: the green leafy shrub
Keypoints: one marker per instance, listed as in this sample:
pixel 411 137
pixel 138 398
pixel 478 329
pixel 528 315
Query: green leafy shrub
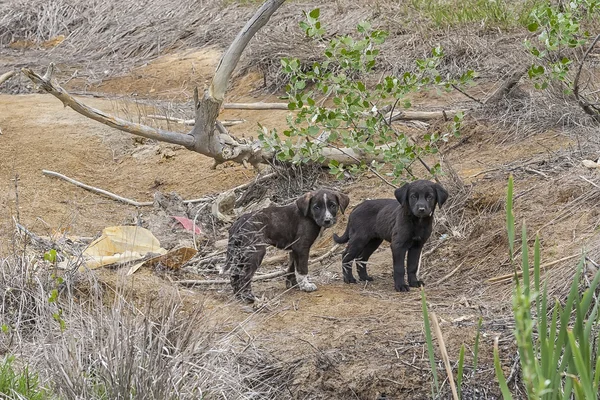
pixel 559 29
pixel 356 122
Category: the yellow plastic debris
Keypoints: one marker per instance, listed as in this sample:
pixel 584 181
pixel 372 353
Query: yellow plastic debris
pixel 121 244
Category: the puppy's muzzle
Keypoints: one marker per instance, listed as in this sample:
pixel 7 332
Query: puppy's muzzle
pixel 328 222
pixel 422 212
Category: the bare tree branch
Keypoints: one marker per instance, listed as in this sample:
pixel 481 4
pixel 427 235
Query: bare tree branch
pixel 583 103
pixel 45 82
pixel 231 57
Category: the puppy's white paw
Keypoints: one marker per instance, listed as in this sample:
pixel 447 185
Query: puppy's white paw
pixel 307 286
pixel 304 284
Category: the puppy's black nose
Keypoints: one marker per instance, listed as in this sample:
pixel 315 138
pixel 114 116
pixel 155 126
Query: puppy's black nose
pixel 327 222
pixel 421 209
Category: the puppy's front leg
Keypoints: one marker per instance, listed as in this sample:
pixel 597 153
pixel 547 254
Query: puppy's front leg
pixel 302 272
pixel 290 278
pixel 398 256
pixel 412 265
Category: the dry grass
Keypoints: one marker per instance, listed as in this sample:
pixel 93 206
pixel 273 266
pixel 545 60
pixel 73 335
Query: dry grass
pixel 109 348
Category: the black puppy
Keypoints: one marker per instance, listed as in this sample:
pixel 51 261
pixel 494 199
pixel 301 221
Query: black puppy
pixel 406 224
pixel 293 227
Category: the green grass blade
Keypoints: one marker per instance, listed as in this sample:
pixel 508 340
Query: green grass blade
pixel 510 219
pixel 565 315
pixel 582 368
pixel 536 267
pixel 429 340
pixel 525 260
pixel 500 375
pixel 579 393
pixel 597 371
pixel 459 373
pixel 588 296
pixel 476 348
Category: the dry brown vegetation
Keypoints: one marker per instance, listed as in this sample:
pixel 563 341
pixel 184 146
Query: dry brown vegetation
pixel 145 336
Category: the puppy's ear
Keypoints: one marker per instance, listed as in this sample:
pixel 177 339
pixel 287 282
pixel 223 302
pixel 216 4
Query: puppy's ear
pixel 343 201
pixel 303 203
pixel 442 194
pixel 402 194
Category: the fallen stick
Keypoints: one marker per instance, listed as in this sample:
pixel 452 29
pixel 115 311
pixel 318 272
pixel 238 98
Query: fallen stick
pixel 97 190
pixel 6 76
pixel 138 203
pixel 588 181
pixel 424 115
pixel 192 282
pixel 191 121
pixel 255 106
pixel 448 275
pixel 520 273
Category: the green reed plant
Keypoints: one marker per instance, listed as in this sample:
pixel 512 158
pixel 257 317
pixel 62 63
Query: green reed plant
pixel 557 357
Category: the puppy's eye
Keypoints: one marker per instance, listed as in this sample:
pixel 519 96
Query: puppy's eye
pixel 332 205
pixel 316 207
pixel 413 196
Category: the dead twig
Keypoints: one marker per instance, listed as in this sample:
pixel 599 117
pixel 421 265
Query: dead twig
pixel 97 190
pixel 272 260
pixel 445 358
pixel 191 282
pixel 145 203
pixel 588 181
pixel 447 276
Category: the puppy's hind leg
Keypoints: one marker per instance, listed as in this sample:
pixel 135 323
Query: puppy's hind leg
pixel 249 268
pixel 363 258
pixel 350 254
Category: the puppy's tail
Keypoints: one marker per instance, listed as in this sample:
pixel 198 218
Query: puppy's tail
pixel 343 239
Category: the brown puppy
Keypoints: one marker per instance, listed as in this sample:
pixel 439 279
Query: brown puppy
pixel 405 222
pixel 293 227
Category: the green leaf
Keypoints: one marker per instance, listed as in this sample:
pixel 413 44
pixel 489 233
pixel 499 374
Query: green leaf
pixel 510 219
pixel 459 372
pixel 50 256
pixel 363 27
pixel 53 296
pixel 500 375
pixel 533 27
pixel 315 13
